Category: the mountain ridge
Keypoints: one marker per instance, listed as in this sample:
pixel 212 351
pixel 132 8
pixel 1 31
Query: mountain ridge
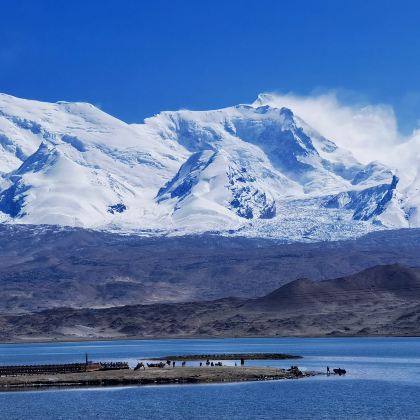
pixel 250 170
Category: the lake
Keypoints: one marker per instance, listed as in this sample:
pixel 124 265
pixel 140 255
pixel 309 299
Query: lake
pixel 383 381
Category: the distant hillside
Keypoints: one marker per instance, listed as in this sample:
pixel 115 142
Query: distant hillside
pixel 383 300
pixel 45 267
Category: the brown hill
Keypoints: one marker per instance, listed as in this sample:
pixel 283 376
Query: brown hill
pixel 383 300
pixel 374 284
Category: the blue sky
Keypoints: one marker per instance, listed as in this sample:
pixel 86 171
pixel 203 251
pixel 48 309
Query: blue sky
pixel 135 58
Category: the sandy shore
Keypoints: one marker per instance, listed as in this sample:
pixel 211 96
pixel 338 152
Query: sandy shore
pixel 150 376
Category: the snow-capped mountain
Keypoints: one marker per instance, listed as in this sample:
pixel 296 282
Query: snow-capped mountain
pixel 248 169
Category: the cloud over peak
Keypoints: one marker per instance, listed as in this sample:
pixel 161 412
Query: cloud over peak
pixel 369 131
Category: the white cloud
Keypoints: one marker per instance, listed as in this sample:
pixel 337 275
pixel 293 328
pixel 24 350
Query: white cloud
pixel 369 131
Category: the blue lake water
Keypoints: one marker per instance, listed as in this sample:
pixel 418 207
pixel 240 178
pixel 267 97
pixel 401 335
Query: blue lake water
pixel 383 382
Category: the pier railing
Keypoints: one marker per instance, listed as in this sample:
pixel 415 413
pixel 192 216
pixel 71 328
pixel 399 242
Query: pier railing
pixel 60 368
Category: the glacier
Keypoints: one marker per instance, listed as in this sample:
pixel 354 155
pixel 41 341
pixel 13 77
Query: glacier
pixel 251 170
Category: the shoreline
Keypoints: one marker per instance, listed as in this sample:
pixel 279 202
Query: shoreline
pixel 150 376
pixel 199 337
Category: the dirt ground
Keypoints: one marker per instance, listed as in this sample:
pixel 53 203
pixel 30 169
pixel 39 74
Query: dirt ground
pixel 149 376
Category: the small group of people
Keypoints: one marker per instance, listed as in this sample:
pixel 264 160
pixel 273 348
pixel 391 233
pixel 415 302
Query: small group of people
pixel 208 363
pixel 172 363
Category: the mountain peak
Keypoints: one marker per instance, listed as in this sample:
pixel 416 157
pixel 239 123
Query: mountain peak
pixel 263 98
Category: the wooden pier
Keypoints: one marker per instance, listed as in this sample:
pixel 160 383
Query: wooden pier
pixel 19 370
